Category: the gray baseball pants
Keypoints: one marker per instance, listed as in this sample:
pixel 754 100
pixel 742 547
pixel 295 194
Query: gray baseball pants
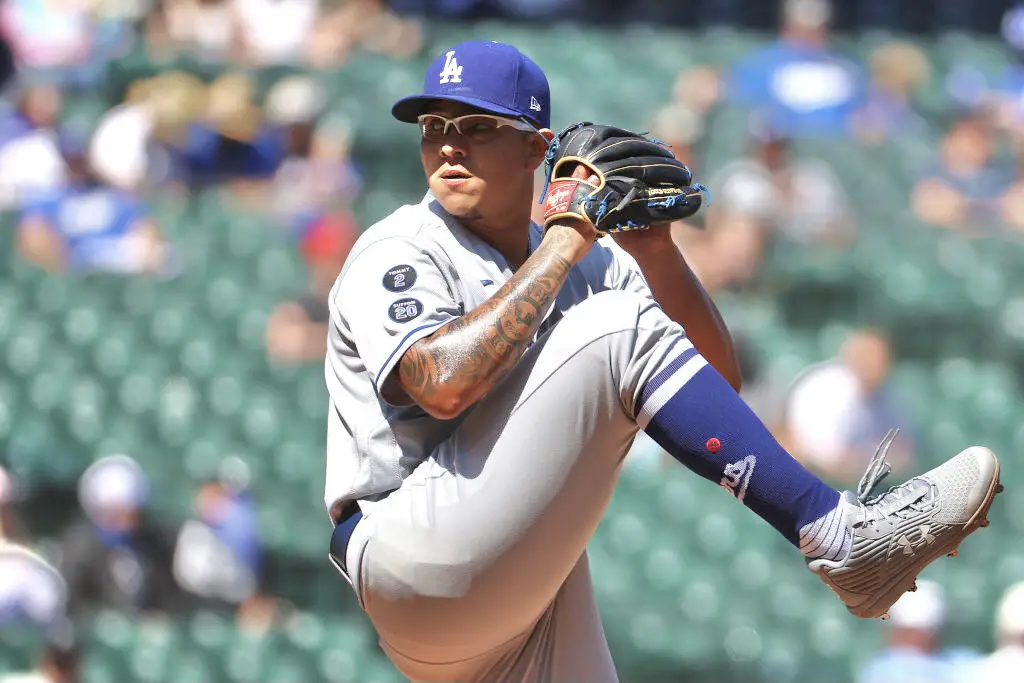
pixel 475 569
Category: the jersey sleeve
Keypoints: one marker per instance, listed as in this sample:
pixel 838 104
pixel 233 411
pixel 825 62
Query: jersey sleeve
pixel 623 272
pixel 392 294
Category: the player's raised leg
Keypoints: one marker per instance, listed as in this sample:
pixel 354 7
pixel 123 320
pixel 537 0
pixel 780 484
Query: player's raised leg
pixel 867 549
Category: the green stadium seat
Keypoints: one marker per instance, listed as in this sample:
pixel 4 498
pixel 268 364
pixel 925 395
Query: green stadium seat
pixel 113 350
pixel 27 347
pixel 260 422
pixel 10 311
pixel 19 647
pixel 155 646
pixel 225 298
pixel 649 632
pixel 339 664
pixel 194 667
pixel 288 669
pixel 782 654
pixel 379 670
pixel 279 272
pixel 663 568
pixel 246 656
pixel 109 668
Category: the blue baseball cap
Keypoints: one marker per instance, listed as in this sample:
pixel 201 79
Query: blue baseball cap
pixel 494 77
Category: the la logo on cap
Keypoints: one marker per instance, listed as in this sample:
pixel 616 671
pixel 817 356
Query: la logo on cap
pixel 452 72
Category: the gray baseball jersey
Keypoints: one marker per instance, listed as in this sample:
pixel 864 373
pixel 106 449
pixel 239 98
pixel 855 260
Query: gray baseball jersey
pixel 406 276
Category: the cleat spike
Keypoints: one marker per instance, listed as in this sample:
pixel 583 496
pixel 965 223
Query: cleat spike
pixel 913 588
pixel 999 488
pixel 956 551
pixel 885 617
pixel 984 523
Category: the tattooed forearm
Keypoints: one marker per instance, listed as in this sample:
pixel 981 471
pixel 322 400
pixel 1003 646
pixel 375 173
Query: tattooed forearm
pixel 469 356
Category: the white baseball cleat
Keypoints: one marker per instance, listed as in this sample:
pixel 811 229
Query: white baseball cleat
pixel 900 532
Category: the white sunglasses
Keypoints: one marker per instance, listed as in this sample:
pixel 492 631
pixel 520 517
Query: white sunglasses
pixel 475 127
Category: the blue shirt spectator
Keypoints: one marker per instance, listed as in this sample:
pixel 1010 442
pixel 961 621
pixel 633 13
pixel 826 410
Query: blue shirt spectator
pixel 801 76
pixel 94 224
pixel 32 592
pixel 30 160
pixel 87 226
pixel 210 157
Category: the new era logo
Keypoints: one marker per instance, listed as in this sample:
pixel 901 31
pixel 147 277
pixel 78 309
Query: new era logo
pixel 534 104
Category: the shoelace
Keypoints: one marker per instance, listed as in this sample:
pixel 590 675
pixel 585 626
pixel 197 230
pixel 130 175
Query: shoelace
pixel 878 468
pixel 875 507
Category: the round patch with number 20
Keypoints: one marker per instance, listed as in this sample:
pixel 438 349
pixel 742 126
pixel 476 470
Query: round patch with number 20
pixel 404 310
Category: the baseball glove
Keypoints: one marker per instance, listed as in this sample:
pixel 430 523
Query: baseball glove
pixel 640 181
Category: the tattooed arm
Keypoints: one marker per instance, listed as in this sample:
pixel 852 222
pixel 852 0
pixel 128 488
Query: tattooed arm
pixel 453 368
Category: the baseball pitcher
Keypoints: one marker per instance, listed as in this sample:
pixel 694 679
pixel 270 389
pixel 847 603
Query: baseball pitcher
pixel 487 376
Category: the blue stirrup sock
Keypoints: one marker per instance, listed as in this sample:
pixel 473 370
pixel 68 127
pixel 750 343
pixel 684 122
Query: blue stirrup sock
pixel 693 413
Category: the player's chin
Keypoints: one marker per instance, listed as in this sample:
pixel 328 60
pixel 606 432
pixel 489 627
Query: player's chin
pixel 458 199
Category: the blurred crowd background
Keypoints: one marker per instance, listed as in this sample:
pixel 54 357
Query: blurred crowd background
pixel 180 181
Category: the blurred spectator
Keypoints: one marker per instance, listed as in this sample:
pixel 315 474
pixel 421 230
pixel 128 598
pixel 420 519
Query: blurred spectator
pixel 255 32
pixel 231 141
pixel 217 554
pixel 680 127
pixel 32 592
pixel 962 190
pixel 317 173
pixel 366 24
pixel 129 147
pixel 839 411
pixel 973 89
pixel 697 88
pixel 48 34
pixel 115 557
pixel 726 254
pixel 88 226
pixel 914 653
pixel 897 71
pixel 208 28
pixel 1006 663
pixel 30 160
pixel 1011 203
pixel 275 31
pixel 297 329
pixel 534 10
pixel 800 75
pixel 799 199
pixel 59 661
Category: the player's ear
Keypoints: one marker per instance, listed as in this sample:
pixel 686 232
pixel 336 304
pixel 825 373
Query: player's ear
pixel 538 147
